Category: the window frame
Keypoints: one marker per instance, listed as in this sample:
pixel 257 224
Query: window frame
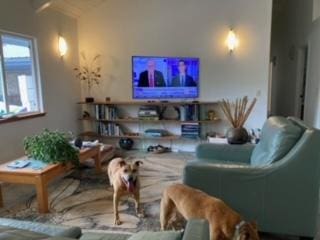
pixel 35 72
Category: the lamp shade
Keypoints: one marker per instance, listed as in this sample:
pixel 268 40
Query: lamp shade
pixel 63 47
pixel 232 41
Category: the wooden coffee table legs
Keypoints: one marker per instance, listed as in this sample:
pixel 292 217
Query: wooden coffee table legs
pixel 97 161
pixel 41 178
pixel 42 195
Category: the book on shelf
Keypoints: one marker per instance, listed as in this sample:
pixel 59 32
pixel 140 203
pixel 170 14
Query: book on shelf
pixel 189 113
pixel 104 112
pixel 190 130
pixel 109 129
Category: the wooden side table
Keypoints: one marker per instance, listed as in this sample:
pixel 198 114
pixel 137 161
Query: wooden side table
pixel 41 178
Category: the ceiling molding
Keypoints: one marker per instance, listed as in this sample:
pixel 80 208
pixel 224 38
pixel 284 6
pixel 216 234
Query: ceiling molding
pixel 40 5
pixel 75 8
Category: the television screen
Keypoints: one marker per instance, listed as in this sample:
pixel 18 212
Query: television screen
pixel 165 77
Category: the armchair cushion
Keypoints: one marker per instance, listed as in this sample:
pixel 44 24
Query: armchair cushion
pixel 224 153
pixel 278 136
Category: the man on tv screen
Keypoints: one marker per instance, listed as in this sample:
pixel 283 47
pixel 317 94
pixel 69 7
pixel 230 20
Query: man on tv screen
pixel 183 79
pixel 151 77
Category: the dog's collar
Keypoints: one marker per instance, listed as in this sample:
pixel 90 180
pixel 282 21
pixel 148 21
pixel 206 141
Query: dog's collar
pixel 237 230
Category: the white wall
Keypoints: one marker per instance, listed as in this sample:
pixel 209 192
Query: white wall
pixel 120 29
pixel 290 30
pixel 61 90
pixel 312 113
pixel 316 10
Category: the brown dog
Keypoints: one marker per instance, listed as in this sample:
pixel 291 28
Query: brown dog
pixel 124 178
pixel 224 222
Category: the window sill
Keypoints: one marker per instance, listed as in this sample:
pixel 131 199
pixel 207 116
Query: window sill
pixel 22 117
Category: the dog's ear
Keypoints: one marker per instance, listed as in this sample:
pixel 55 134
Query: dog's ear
pixel 138 163
pixel 254 225
pixel 122 163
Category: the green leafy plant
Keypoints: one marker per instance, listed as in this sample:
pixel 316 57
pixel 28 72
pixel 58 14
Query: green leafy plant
pixel 51 147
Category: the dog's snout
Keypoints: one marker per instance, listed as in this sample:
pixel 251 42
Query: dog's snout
pixel 130 178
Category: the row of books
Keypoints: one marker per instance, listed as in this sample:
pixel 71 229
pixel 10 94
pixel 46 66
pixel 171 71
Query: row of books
pixel 105 112
pixel 189 113
pixel 109 129
pixel 190 130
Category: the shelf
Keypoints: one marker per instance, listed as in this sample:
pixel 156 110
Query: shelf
pixel 197 107
pixel 152 103
pixel 93 134
pixel 136 120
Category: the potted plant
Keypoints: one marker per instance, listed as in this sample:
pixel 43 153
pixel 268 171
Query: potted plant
pixel 237 114
pixel 89 72
pixel 51 147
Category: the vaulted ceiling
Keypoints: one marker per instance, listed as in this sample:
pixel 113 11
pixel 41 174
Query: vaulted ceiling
pixel 73 8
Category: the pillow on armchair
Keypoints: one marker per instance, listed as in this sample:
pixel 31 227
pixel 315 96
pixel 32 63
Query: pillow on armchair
pixel 278 136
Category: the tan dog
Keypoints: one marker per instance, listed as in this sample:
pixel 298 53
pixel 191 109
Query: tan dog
pixel 124 178
pixel 224 222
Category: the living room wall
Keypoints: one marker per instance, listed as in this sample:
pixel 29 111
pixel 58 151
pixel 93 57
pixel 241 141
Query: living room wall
pixel 59 87
pixel 119 29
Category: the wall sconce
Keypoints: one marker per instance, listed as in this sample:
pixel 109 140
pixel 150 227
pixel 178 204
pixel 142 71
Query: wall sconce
pixel 232 41
pixel 63 47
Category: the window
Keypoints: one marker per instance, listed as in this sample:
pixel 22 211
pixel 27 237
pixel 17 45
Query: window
pixel 19 81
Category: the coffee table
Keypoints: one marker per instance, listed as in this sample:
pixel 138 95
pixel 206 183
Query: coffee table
pixel 41 178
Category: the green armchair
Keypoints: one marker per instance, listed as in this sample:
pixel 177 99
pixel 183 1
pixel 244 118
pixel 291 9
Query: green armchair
pixel 275 183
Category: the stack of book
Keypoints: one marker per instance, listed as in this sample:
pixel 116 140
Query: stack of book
pixel 190 130
pixel 148 113
pixel 105 112
pixel 109 129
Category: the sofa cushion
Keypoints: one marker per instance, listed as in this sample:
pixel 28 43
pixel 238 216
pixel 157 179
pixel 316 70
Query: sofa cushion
pixel 10 233
pixel 166 235
pixel 47 229
pixel 278 136
pixel 104 236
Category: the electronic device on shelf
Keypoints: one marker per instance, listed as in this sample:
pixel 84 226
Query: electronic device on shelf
pixel 148 113
pixel 165 77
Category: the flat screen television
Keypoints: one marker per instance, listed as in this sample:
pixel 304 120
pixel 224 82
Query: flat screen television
pixel 165 77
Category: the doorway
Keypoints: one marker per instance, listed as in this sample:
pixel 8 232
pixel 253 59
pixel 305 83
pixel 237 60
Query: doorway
pixel 302 66
pixel 291 26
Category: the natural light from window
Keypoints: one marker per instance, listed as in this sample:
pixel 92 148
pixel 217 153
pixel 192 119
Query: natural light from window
pixel 18 81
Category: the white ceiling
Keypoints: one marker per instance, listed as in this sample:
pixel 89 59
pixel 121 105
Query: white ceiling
pixel 73 8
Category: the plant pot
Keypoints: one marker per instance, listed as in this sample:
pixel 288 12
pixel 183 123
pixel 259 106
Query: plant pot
pixel 126 143
pixel 89 99
pixel 237 136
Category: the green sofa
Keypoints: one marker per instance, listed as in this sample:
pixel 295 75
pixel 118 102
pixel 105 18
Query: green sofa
pixel 275 183
pixel 23 230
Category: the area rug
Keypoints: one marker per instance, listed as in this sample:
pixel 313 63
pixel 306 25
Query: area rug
pixel 84 198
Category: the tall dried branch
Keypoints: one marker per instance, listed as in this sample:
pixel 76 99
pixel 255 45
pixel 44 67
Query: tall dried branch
pixel 237 112
pixel 89 71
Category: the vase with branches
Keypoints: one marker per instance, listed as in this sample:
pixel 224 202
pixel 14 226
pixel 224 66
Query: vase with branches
pixel 237 113
pixel 89 72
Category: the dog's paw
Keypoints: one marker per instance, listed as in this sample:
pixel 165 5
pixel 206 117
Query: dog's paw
pixel 117 222
pixel 140 214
